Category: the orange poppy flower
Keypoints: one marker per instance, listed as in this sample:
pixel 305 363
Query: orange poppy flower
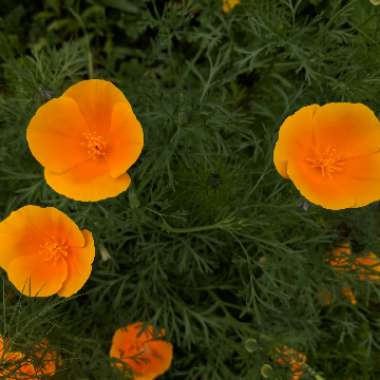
pixel 86 140
pixel 145 354
pixel 15 365
pixel 332 154
pixel 228 5
pixel 44 252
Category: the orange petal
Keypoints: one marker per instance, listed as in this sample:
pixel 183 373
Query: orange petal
pixel 79 265
pixel 145 377
pixel 35 277
pixel 125 139
pixel 319 190
pixel 159 355
pixel 355 186
pixel 96 99
pixel 154 356
pixel 125 337
pixel 295 135
pixel 352 129
pixel 89 181
pixel 25 229
pixel 55 135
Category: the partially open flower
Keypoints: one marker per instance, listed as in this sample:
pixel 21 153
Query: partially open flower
pixel 86 140
pixel 228 5
pixel 332 154
pixel 44 252
pixel 141 351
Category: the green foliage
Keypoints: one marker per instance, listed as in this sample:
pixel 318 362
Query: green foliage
pixel 209 243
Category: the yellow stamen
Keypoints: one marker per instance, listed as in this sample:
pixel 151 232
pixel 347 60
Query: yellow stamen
pixel 95 145
pixel 329 162
pixel 54 250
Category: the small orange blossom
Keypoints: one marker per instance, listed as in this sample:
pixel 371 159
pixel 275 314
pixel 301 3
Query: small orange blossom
pixel 332 154
pixel 145 354
pixel 44 252
pixel 86 140
pixel 15 364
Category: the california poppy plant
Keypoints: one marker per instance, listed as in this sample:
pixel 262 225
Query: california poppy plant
pixel 44 252
pixel 86 140
pixel 144 353
pixel 332 154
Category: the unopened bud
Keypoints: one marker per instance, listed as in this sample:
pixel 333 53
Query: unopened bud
pixel 266 371
pixel 251 345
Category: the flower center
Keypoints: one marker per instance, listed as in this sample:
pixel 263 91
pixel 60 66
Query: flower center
pixel 95 145
pixel 328 162
pixel 54 250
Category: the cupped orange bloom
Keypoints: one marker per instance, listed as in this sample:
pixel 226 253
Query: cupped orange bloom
pixel 228 5
pixel 86 140
pixel 44 252
pixel 145 354
pixel 332 154
pixel 16 365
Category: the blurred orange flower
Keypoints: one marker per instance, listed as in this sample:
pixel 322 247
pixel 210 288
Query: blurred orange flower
pixel 228 5
pixel 143 352
pixel 332 154
pixel 341 257
pixel 16 365
pixel 286 356
pixel 86 140
pixel 44 252
pixel 369 267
